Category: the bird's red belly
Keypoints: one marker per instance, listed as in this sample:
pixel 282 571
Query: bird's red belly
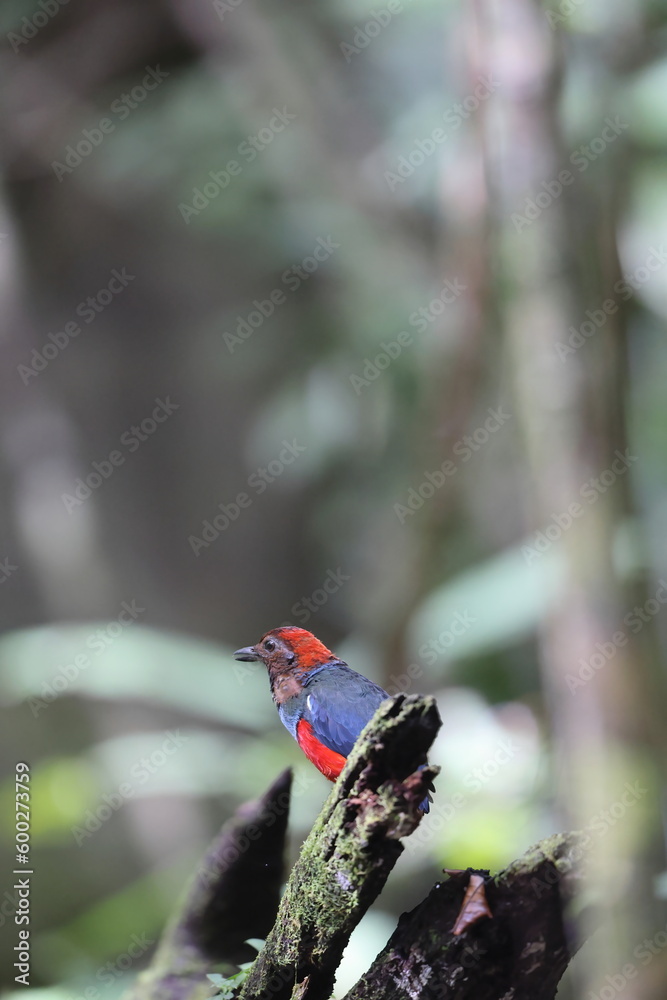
pixel 325 760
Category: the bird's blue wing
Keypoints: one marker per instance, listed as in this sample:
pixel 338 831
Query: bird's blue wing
pixel 339 703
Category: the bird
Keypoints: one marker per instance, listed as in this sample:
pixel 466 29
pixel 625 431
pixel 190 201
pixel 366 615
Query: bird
pixel 321 701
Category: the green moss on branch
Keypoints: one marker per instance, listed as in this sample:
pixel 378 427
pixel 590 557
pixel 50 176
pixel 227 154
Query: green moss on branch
pixel 348 855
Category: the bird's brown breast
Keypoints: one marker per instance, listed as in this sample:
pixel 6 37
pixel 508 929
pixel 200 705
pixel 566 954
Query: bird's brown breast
pixel 285 686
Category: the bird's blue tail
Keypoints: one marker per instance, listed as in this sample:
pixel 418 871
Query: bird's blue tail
pixel 425 806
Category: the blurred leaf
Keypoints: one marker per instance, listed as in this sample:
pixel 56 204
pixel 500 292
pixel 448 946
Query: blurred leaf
pixel 504 599
pixel 105 928
pixel 228 986
pixel 173 670
pixel 256 943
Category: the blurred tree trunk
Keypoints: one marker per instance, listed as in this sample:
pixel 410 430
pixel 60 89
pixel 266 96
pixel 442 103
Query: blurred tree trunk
pixel 559 260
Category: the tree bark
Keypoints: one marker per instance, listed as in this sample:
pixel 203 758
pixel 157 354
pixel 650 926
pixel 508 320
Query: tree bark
pixel 518 953
pixel 349 853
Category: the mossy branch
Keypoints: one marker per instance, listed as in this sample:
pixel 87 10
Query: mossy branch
pixel 520 952
pixel 349 853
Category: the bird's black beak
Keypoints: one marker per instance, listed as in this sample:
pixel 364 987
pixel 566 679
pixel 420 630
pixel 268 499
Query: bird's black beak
pixel 247 654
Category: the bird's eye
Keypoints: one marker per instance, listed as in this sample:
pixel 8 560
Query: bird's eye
pixel 270 645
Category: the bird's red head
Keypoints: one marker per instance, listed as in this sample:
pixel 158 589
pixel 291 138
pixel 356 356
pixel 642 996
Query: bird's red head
pixel 287 648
